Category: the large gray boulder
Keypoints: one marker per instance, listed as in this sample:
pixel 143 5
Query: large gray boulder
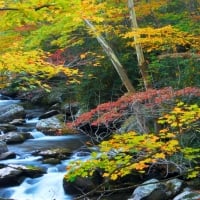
pixel 53 156
pixel 15 137
pixel 151 190
pixel 50 126
pixel 174 188
pixel 14 174
pixel 11 112
pixel 188 195
pixel 9 176
pixel 7 155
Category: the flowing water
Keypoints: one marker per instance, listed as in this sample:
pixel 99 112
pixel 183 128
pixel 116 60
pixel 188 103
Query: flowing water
pixel 49 186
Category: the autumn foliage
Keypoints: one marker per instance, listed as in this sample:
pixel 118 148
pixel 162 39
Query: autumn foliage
pixel 130 153
pixel 110 112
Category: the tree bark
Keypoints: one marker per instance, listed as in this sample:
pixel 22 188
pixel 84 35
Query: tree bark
pixel 143 66
pixel 110 53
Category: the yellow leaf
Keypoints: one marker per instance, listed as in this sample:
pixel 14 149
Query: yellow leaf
pixel 82 56
pixel 113 177
pixel 159 156
pixel 105 174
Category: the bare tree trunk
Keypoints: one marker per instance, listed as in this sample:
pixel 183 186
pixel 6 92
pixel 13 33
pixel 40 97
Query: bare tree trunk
pixel 110 53
pixel 143 66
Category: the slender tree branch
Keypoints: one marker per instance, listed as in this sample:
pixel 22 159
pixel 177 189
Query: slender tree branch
pixel 34 8
pixel 44 6
pixel 5 9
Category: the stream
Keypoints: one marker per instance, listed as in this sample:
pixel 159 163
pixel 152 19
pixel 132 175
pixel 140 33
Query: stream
pixel 49 186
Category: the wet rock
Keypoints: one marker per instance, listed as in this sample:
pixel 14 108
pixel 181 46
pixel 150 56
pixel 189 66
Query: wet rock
pixel 48 153
pixel 17 122
pixel 3 147
pixel 9 176
pixel 15 137
pixel 7 155
pixel 32 171
pixel 48 114
pixel 26 135
pixel 52 161
pixel 14 174
pixel 173 187
pixel 54 153
pixel 50 125
pixel 151 190
pixel 7 128
pixel 188 195
pixel 11 112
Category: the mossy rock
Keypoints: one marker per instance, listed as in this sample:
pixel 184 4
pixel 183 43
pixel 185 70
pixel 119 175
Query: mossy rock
pixel 52 161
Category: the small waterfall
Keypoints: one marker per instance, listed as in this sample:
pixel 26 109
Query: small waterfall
pixel 4 100
pixel 1 132
pixel 37 134
pixel 7 102
pixel 32 121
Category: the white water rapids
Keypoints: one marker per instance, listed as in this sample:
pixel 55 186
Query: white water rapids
pixel 49 186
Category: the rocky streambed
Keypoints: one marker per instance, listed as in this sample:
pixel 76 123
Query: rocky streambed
pixel 32 164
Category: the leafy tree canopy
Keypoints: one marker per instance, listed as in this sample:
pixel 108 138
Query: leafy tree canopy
pixel 25 25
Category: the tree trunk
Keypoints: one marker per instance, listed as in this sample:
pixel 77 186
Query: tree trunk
pixel 143 66
pixel 110 53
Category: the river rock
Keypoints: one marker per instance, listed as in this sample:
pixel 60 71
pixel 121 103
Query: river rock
pixel 15 137
pixel 15 174
pixel 7 155
pixel 51 161
pixel 7 128
pixel 9 176
pixel 59 154
pixel 188 195
pixel 174 186
pixel 11 112
pixel 50 125
pixel 151 190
